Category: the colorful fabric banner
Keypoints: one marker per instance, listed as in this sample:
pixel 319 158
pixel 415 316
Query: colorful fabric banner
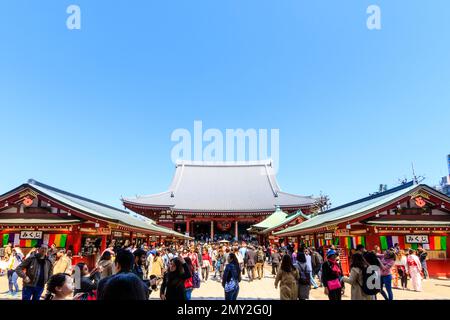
pixel 323 242
pixel 59 240
pixel 388 242
pixel 353 242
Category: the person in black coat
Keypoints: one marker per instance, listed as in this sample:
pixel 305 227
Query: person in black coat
pixel 172 288
pixel 250 262
pixel 124 285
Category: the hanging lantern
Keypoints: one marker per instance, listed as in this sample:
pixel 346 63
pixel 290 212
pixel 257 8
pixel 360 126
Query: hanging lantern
pixel 27 201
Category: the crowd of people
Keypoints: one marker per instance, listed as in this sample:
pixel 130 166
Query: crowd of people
pixel 371 272
pixel 173 272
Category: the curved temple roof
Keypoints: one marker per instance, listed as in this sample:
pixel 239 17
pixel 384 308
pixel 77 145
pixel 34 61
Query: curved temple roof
pixel 222 187
pixel 357 208
pixel 97 209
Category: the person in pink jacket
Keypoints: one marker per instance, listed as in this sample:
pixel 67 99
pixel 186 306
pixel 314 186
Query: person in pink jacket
pixel 387 262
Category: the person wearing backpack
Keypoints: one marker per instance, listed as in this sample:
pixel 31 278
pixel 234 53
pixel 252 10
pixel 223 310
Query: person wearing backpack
pixel 304 283
pixel 356 279
pixel 331 277
pixel 260 258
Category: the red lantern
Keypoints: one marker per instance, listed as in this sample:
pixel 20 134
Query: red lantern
pixel 224 226
pixel 27 201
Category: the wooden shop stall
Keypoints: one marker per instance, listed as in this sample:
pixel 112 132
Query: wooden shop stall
pixel 410 215
pixel 35 213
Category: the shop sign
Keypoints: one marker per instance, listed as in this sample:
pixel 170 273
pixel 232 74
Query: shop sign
pixel 342 233
pixel 117 234
pixel 328 236
pixel 307 237
pixel 88 230
pixel 126 234
pixel 104 231
pixel 417 238
pixel 31 235
pixel 140 235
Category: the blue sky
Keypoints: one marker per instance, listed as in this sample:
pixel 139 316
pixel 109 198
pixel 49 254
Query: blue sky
pixel 92 110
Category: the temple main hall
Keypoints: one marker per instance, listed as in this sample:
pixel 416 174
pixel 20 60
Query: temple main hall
pixel 219 200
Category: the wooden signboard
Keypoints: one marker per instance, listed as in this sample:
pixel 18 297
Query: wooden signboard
pixel 417 238
pixel 31 235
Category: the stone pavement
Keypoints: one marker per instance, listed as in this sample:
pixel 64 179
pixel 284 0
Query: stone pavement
pixel 264 290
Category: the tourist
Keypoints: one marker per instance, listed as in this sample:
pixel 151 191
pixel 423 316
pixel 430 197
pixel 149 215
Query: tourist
pixel 356 279
pixel 15 259
pixel 304 273
pixel 124 285
pixel 260 259
pixel 139 262
pixel 231 278
pixel 38 269
pixel 331 276
pixel 250 262
pixel 309 262
pixel 199 252
pixel 243 252
pixel 220 265
pixel 387 262
pixel 206 264
pixel 173 285
pixel 158 268
pixel 241 259
pixel 316 261
pixel 401 265
pixel 52 252
pixel 415 269
pixel 423 254
pixel 287 277
pixel 214 254
pixel 86 282
pixel 8 251
pixel 62 264
pixel 275 258
pixel 361 249
pixel 376 265
pixel 189 282
pixel 106 265
pixel 59 287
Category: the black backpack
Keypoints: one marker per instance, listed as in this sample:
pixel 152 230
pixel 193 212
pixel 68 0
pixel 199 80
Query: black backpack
pixel 368 277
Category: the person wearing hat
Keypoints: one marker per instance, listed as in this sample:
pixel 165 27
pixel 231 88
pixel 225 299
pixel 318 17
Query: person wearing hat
pixel 332 276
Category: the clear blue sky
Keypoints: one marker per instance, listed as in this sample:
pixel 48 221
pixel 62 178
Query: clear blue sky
pixel 92 110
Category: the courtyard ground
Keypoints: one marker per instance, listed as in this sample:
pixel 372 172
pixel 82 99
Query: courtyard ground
pixel 433 289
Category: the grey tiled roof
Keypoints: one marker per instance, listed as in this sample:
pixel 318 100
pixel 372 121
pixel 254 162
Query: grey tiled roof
pixel 223 187
pixel 100 210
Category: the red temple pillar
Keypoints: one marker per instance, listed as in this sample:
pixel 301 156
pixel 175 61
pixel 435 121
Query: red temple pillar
pixel 103 244
pixel 188 227
pixel 236 230
pixel 76 238
pixel 212 230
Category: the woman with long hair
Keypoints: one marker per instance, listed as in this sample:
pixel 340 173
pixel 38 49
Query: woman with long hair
pixel 304 272
pixel 231 278
pixel 356 278
pixel 105 265
pixel 59 287
pixel 401 265
pixel 287 277
pixel 173 286
pixel 86 282
pixel 189 283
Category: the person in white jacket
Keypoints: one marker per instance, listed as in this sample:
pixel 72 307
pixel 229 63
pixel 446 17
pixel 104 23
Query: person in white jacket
pixel 415 269
pixel 401 267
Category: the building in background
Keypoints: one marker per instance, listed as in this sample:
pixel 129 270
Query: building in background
pixel 219 200
pixel 444 185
